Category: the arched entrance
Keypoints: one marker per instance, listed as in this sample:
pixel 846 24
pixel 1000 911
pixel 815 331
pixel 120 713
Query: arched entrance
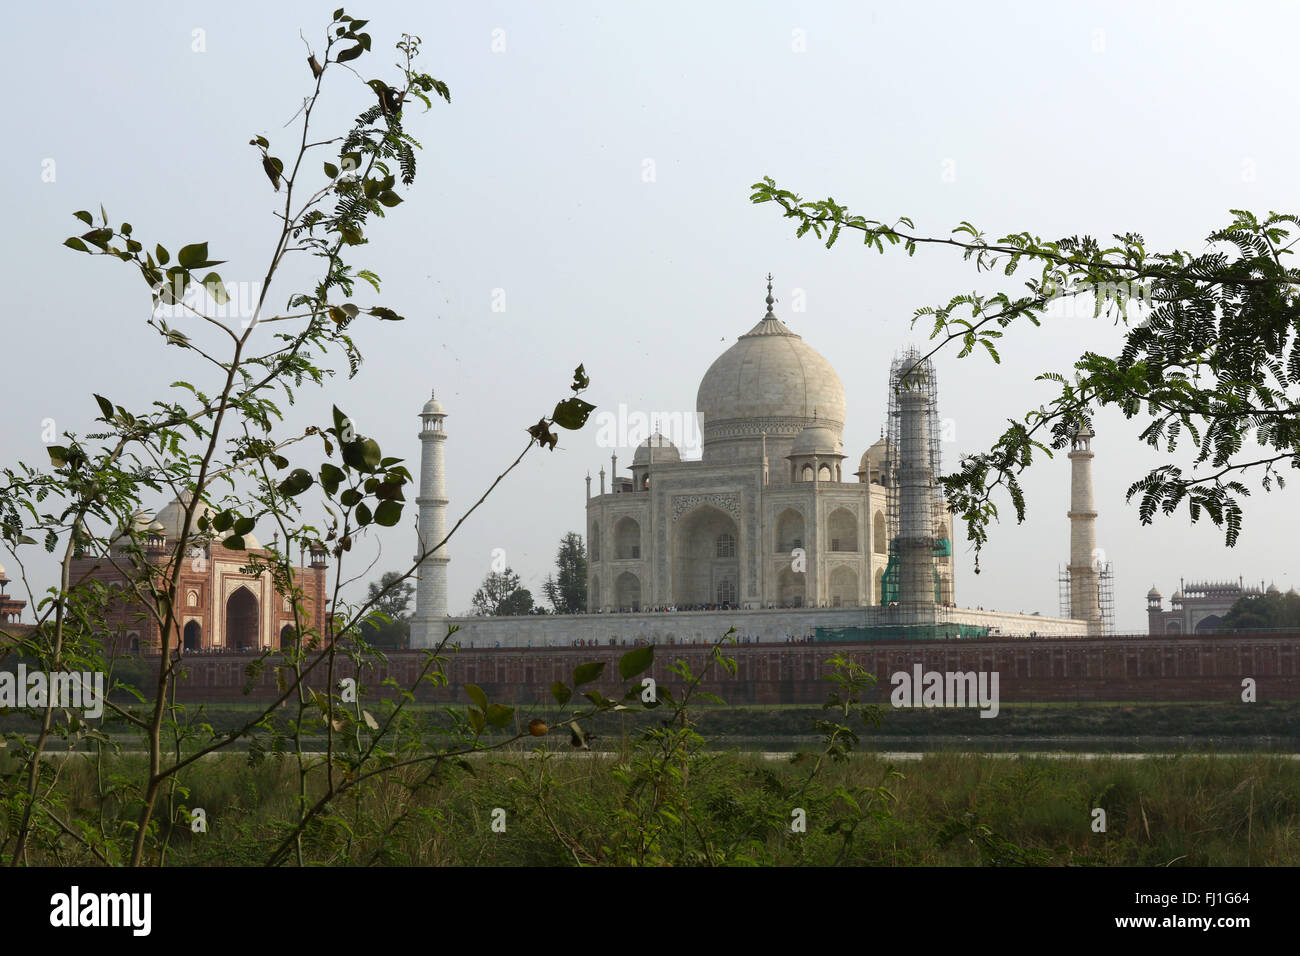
pixel 288 637
pixel 627 592
pixel 705 556
pixel 241 620
pixel 844 587
pixel 790 584
pixel 193 636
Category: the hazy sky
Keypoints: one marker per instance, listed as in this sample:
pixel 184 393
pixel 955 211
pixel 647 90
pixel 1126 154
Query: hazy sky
pixel 1057 119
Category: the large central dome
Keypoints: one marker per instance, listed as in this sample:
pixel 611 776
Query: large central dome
pixel 769 383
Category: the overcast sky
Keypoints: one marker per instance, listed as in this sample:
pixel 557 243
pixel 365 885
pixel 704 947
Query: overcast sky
pixel 592 172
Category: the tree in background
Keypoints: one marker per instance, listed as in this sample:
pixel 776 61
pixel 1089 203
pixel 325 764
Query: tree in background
pixel 500 595
pixel 567 588
pixel 1264 610
pixel 1211 356
pixel 390 620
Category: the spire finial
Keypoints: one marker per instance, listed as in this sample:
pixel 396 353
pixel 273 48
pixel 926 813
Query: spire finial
pixel 770 300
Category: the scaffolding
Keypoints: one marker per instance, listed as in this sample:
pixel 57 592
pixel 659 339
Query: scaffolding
pixel 916 510
pixel 1105 595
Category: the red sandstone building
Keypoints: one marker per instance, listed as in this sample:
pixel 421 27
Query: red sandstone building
pixel 220 607
pixel 11 609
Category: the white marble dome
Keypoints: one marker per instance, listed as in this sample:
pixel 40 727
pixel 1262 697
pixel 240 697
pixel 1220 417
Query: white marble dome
pixel 816 440
pixel 664 450
pixel 759 394
pixel 432 406
pixel 770 373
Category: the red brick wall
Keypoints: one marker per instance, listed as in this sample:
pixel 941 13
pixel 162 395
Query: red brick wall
pixel 1042 669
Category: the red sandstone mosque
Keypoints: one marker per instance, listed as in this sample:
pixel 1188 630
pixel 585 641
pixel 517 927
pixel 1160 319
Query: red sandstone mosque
pixel 220 607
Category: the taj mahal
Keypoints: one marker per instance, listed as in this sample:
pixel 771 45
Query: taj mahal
pixel 768 530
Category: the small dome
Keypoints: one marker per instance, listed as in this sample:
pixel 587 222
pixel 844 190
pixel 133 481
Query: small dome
pixel 663 449
pixel 873 458
pixel 816 440
pixel 432 406
pixel 140 522
pixel 1153 594
pixel 1177 598
pixel 1290 592
pixel 157 527
pixel 1272 589
pixel 173 515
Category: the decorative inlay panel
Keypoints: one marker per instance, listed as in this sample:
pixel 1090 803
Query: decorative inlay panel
pixel 730 503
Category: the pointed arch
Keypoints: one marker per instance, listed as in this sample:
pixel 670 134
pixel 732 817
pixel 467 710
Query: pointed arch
pixel 627 591
pixel 242 619
pixel 699 566
pixel 789 531
pixel 842 530
pixel 844 587
pixel 627 539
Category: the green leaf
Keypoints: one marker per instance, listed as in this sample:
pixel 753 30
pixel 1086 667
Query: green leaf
pixel 216 288
pixel 223 520
pixel 389 198
pixel 105 406
pixel 331 476
pixel 162 255
pixel 351 53
pixel 331 171
pixel 572 413
pixel 363 514
pixel 350 497
pixel 243 526
pixel 476 720
pixel 560 691
pixel 194 255
pixel 635 661
pixel 234 543
pixel 498 715
pixel 387 315
pixel 73 242
pixel 85 217
pixel 586 673
pixel 295 483
pixel 477 696
pixel 363 454
pixel 388 513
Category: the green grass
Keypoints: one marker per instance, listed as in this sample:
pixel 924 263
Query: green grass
pixel 949 809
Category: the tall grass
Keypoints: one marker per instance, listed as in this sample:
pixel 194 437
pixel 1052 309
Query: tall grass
pixel 947 809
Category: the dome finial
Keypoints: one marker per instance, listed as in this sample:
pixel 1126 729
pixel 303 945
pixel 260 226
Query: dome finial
pixel 770 300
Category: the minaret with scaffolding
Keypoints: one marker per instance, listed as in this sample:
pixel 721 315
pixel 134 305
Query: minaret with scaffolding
pixel 912 582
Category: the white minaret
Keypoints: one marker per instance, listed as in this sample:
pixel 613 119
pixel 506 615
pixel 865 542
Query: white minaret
pixel 1084 595
pixel 431 588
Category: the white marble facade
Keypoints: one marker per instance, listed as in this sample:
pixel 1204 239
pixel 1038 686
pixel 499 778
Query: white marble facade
pixel 767 518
